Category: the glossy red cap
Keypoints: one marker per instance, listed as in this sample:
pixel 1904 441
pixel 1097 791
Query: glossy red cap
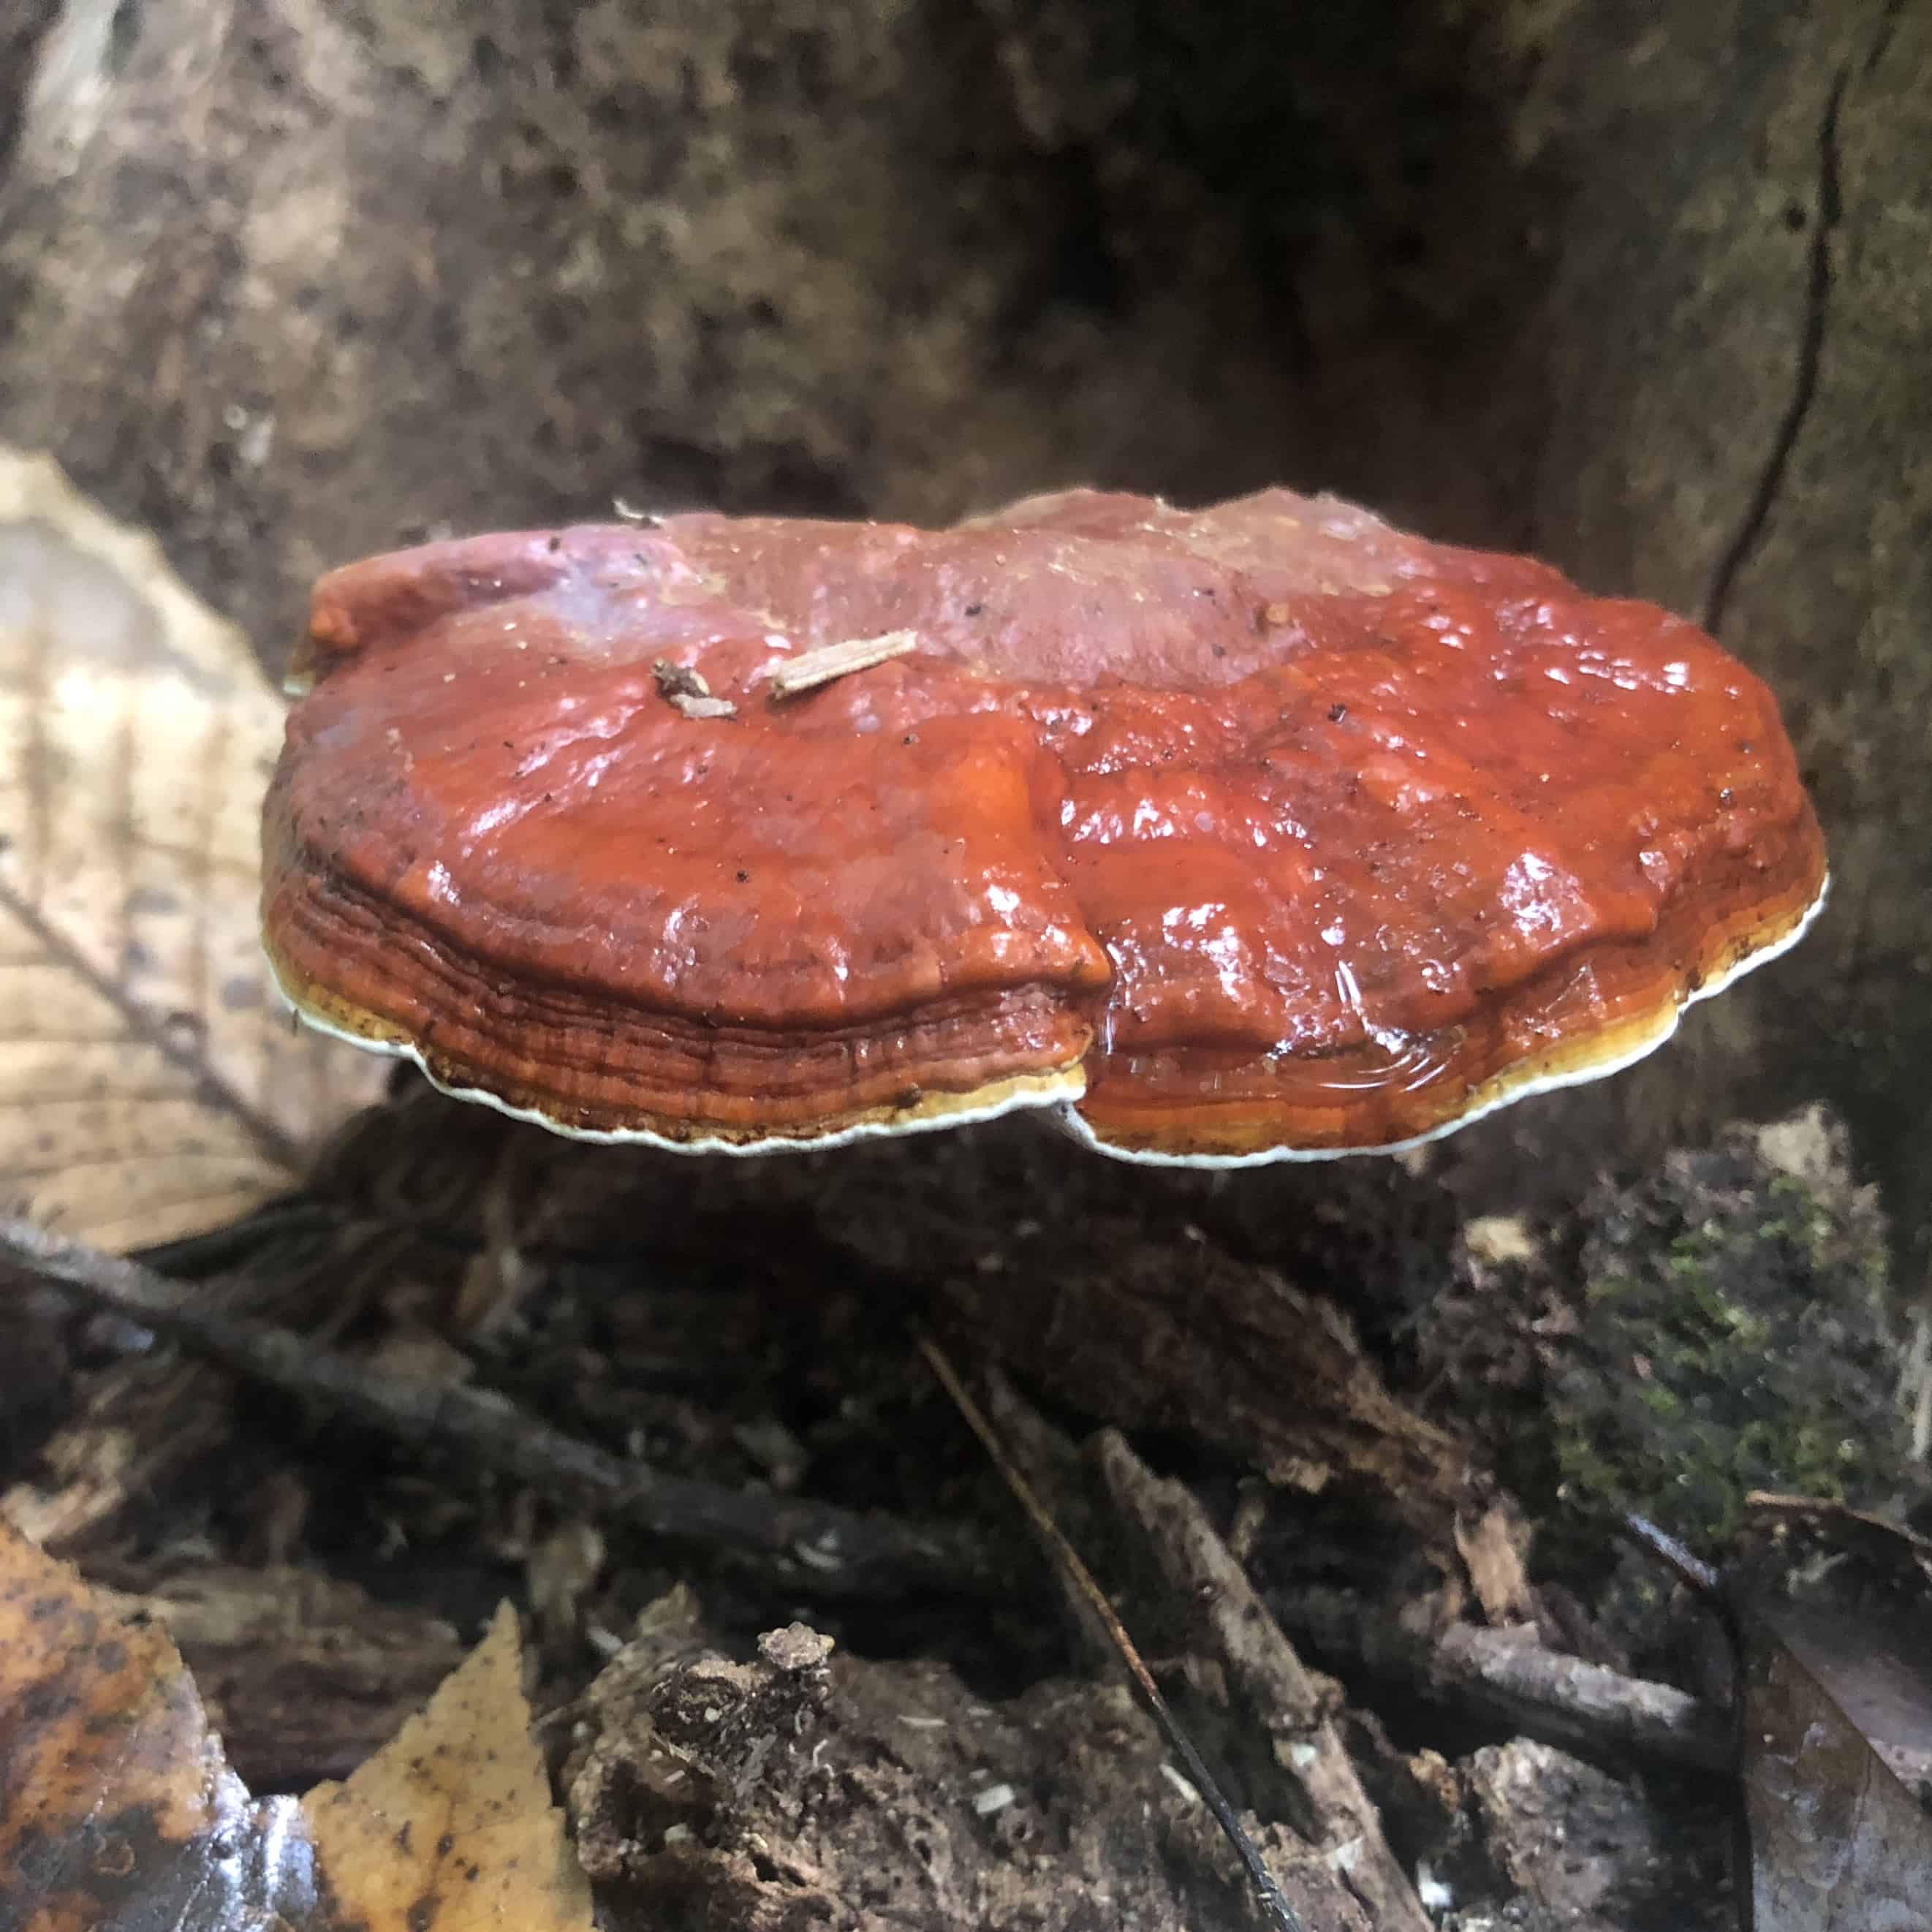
pixel 1262 831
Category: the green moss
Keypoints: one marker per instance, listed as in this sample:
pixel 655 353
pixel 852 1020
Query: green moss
pixel 1730 1337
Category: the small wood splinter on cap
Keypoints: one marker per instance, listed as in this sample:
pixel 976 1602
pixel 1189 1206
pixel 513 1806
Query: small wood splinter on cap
pixel 810 669
pixel 689 691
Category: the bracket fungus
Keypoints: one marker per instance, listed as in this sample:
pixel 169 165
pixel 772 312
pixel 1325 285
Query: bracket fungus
pixel 1260 832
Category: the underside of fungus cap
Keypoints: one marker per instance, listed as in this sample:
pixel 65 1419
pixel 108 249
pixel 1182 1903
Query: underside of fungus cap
pixel 1260 832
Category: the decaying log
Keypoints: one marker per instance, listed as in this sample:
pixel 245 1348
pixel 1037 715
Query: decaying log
pixel 1267 1681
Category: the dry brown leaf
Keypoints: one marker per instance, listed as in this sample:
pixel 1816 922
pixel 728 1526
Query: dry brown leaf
pixel 150 1085
pixel 112 1788
pixel 452 1824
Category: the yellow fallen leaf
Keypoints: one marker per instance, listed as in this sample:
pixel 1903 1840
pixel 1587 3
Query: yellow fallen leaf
pixel 150 1085
pixel 451 1825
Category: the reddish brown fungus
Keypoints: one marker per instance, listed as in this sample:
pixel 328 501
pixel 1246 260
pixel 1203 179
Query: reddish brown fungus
pixel 1262 831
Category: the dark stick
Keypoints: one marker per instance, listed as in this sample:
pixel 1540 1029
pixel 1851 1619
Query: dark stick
pixel 1067 1559
pixel 841 1552
pixel 1506 1675
pixel 1579 1705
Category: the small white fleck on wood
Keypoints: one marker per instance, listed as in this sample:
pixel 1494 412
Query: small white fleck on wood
pixel 810 669
pixel 994 1798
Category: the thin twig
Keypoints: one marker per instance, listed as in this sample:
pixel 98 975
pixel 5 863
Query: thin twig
pixel 1067 1558
pixel 810 669
pixel 842 1551
pixel 1821 1509
pixel 1692 1571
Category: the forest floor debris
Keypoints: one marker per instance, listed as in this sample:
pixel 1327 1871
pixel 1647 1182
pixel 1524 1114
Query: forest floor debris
pixel 1420 1667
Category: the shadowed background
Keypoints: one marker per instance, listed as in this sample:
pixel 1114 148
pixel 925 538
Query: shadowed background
pixel 288 283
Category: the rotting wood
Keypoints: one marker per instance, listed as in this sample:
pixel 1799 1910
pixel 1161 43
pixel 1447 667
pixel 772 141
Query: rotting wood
pixel 810 669
pixel 1184 1335
pixel 1082 1584
pixel 791 1786
pixel 1575 1704
pixel 305 1674
pixel 1265 1678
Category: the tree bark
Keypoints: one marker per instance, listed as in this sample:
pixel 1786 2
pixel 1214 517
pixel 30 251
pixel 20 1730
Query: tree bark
pixel 1738 336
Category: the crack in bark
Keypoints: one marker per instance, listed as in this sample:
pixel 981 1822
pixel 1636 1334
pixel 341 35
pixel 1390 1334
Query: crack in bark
pixel 1810 354
pixel 1815 316
pixel 1882 40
